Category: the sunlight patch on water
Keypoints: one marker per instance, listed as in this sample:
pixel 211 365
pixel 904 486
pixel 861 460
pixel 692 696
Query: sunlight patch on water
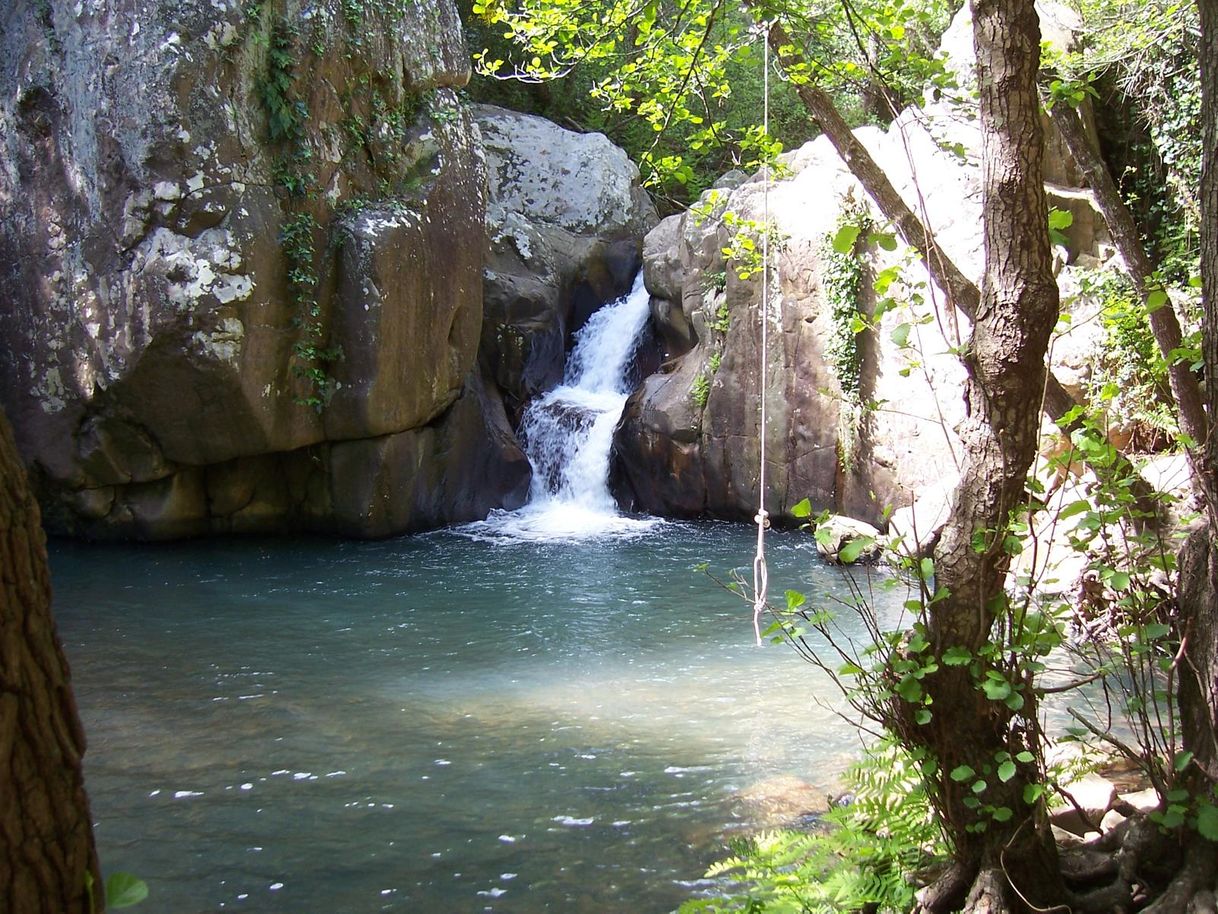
pixel 429 709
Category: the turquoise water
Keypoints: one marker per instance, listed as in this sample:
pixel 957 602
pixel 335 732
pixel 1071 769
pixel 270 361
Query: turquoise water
pixel 437 723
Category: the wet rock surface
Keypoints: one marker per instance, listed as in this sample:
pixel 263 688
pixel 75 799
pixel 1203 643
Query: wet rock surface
pixel 245 249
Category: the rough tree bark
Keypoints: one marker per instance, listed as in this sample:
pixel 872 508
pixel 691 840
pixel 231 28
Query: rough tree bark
pixel 1015 861
pixel 46 836
pixel 1208 53
pixel 1198 595
pixel 1013 316
pixel 1199 563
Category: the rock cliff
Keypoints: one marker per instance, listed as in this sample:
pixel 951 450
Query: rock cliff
pixel 863 390
pixel 221 218
pixel 244 249
pixel 564 217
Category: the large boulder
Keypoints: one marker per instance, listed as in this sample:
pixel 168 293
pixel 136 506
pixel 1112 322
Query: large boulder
pixel 688 442
pixel 244 247
pixel 565 213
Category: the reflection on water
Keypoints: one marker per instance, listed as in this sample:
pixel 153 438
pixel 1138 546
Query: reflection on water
pixel 433 724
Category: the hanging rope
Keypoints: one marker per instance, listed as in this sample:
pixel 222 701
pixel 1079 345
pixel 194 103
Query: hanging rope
pixel 760 571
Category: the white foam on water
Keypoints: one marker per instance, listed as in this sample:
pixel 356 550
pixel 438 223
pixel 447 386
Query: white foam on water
pixel 568 434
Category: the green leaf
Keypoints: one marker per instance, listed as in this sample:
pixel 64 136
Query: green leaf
pixel 962 773
pixel 1182 760
pixel 957 656
pixel 853 549
pixel 1156 630
pixel 1002 814
pixel 900 334
pixel 843 241
pixel 1075 507
pixel 1006 771
pixel 795 599
pixel 996 689
pixel 1060 219
pixel 1119 580
pixel 1207 822
pixel 910 689
pixel 1155 299
pixel 802 508
pixel 124 890
pixel 1026 757
pixel 923 716
pixel 849 669
pixel 1173 818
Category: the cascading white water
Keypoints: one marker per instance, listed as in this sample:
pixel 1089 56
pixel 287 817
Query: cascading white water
pixel 568 432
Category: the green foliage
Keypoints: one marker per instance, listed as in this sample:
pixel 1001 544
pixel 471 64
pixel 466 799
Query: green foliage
pixel 286 114
pixel 843 272
pixel 699 392
pixel 123 890
pixel 748 243
pixel 863 859
pixel 1130 377
pixel 296 240
pixel 714 280
pixel 681 86
pixel 1059 221
pixel 1129 634
pixel 1142 58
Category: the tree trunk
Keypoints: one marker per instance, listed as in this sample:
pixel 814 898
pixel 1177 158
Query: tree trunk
pixel 1198 682
pixel 962 293
pixel 1163 322
pixel 1006 373
pixel 1208 54
pixel 1012 318
pixel 47 855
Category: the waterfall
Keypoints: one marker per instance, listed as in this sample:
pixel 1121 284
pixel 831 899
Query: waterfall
pixel 567 434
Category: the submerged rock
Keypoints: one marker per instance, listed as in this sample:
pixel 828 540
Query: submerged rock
pixel 782 800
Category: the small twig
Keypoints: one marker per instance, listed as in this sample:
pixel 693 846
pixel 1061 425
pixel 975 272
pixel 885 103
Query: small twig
pixel 1078 683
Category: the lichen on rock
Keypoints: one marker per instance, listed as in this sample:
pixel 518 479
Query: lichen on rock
pixel 157 326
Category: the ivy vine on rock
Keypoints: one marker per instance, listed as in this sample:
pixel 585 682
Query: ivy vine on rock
pixel 843 272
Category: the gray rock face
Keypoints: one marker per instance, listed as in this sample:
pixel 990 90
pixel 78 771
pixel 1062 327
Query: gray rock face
pixel 688 442
pixel 565 212
pixel 158 334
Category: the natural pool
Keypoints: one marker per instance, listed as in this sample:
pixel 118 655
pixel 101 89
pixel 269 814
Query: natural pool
pixel 435 723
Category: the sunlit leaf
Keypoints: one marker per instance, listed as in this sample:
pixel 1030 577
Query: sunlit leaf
pixel 124 890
